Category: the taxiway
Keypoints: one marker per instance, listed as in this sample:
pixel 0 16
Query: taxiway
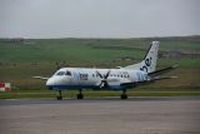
pixel 142 115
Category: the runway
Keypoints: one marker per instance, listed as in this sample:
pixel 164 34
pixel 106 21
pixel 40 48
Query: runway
pixel 140 115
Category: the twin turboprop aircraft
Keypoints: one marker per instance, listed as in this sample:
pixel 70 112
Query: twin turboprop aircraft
pixel 122 78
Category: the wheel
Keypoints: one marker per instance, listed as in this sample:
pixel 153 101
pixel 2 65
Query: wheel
pixel 59 98
pixel 124 97
pixel 80 96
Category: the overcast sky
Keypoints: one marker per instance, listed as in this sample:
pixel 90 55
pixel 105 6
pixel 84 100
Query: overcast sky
pixel 99 18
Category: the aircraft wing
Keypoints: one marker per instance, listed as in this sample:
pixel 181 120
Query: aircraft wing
pixel 40 77
pixel 163 77
pixel 133 84
pixel 152 79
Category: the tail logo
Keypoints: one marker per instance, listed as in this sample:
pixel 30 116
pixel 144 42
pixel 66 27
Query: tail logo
pixel 148 62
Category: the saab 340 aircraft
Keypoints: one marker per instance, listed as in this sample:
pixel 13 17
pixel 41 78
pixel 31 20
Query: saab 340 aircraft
pixel 121 78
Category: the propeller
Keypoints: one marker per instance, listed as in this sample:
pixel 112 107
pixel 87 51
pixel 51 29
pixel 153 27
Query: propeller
pixel 104 82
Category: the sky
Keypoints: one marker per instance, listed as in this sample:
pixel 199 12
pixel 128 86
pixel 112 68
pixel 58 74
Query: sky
pixel 98 18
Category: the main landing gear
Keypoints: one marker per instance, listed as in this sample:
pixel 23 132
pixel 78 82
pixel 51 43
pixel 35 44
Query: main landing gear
pixel 124 96
pixel 59 97
pixel 80 96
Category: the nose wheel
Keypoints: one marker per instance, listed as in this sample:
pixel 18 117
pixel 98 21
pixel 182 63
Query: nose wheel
pixel 59 97
pixel 124 96
pixel 80 96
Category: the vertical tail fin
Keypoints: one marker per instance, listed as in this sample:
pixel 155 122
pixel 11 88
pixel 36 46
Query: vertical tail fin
pixel 150 60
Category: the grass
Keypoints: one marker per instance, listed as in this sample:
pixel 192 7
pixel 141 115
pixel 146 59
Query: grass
pixel 20 60
pixel 35 94
pixel 94 51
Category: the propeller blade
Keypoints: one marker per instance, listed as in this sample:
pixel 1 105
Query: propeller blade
pixel 101 84
pixel 101 76
pixel 108 73
pixel 104 82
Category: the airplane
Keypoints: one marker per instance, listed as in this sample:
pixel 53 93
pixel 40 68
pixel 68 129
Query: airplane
pixel 121 78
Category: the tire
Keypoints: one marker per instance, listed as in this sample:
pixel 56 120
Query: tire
pixel 80 96
pixel 59 98
pixel 124 97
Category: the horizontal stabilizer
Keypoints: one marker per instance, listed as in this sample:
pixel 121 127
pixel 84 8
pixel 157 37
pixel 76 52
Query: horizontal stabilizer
pixel 161 71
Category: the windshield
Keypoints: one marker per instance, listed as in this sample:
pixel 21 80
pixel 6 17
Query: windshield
pixel 60 73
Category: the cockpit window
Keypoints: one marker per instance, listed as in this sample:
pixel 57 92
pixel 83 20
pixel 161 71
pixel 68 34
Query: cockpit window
pixel 60 73
pixel 68 73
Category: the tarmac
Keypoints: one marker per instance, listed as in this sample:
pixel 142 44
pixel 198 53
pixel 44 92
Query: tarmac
pixel 140 115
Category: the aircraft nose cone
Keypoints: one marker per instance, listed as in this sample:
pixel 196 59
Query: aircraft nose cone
pixel 50 83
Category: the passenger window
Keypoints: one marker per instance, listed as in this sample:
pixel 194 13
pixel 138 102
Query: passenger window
pixel 68 73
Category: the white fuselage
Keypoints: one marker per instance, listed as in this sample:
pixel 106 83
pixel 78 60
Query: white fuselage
pixel 73 78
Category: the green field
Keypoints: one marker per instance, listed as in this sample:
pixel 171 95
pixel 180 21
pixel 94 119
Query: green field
pixel 20 59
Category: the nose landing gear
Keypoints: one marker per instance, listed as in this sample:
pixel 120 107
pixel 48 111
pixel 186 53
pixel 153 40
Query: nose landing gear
pixel 59 97
pixel 80 96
